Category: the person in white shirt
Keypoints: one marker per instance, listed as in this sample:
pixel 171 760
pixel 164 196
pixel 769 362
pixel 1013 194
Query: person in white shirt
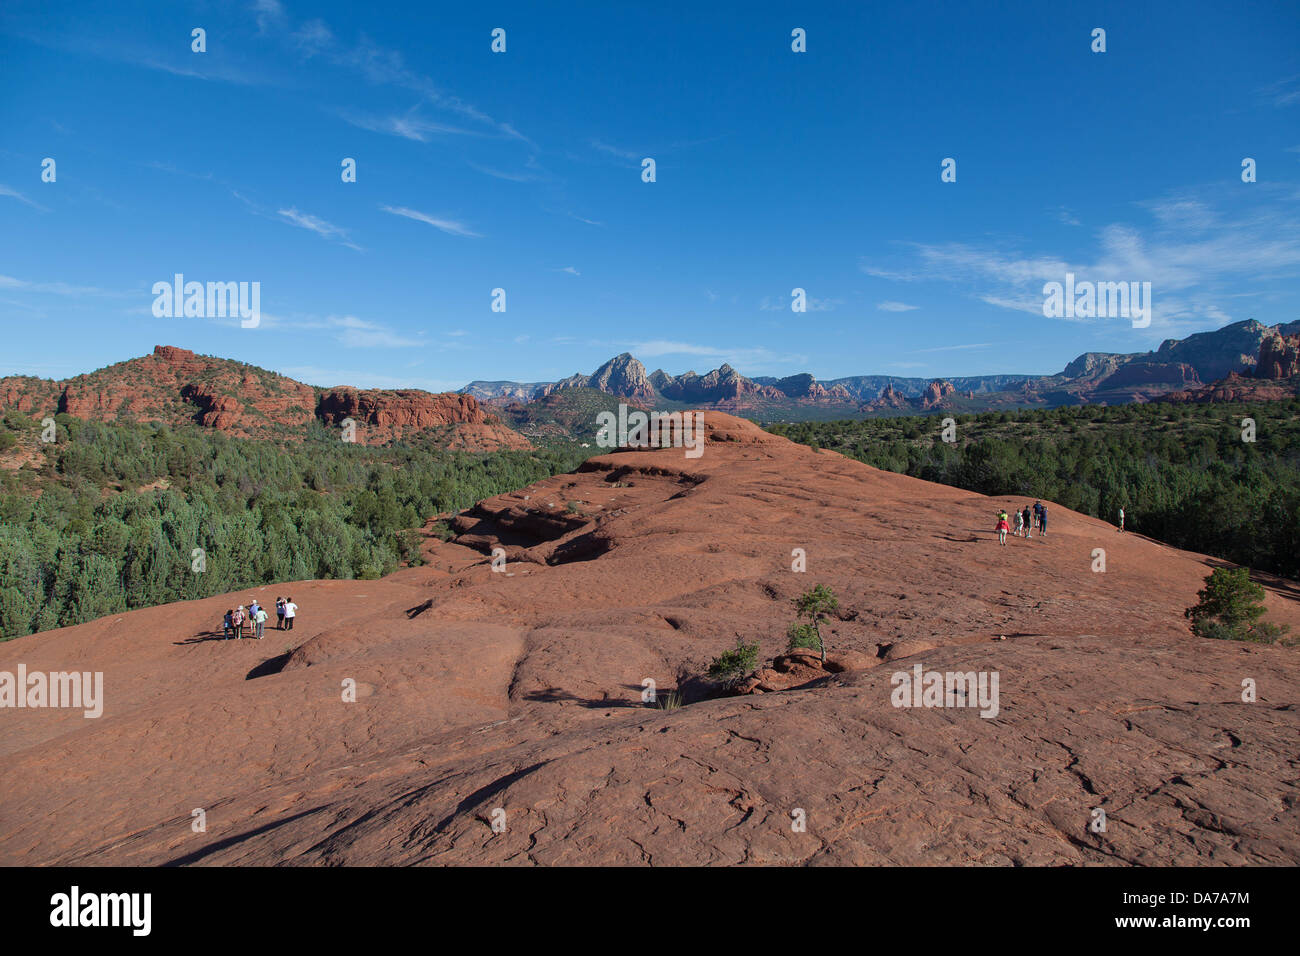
pixel 290 612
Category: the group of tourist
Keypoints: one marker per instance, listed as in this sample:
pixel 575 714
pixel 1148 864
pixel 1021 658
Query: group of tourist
pixel 1028 521
pixel 255 617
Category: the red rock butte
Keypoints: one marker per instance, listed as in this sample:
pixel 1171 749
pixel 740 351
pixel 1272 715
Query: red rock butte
pixel 514 697
pixel 178 387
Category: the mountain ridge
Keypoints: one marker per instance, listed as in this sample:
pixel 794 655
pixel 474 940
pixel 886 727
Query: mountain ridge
pixel 1192 365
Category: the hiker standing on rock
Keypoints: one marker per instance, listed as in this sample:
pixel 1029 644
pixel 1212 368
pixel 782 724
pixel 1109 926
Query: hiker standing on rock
pixel 279 614
pixel 1020 523
pixel 238 621
pixel 259 622
pixel 1121 520
pixel 290 612
pixel 1028 518
pixel 1002 528
pixel 1042 520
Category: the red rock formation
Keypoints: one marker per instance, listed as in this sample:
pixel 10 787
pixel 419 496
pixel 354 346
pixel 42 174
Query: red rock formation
pixel 937 393
pixel 175 386
pixel 889 398
pixel 405 408
pixel 522 690
pixel 1279 357
pixel 217 411
pixel 182 362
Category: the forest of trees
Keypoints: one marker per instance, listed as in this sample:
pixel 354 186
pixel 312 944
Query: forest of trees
pixel 1183 473
pixel 107 518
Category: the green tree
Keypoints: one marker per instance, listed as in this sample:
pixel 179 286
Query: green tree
pixel 815 604
pixel 1230 608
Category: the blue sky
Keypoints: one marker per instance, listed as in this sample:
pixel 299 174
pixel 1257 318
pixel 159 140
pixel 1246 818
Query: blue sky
pixel 522 170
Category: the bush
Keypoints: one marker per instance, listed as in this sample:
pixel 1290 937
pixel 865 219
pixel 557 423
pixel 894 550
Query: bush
pixel 1230 608
pixel 735 665
pixel 802 634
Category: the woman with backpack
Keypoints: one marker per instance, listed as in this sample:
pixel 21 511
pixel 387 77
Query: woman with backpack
pixel 228 623
pixel 279 614
pixel 238 622
pixel 1002 528
pixel 1028 519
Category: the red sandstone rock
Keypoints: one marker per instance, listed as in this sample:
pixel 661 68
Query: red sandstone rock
pixel 936 394
pixel 1279 357
pixel 175 386
pixel 479 690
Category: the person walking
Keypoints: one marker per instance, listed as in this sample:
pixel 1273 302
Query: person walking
pixel 259 622
pixel 238 621
pixel 1020 523
pixel 1003 526
pixel 279 614
pixel 290 612
pixel 228 623
pixel 1028 519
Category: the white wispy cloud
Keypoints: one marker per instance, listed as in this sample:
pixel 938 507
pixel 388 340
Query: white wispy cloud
pixel 896 307
pixel 60 288
pixel 1066 217
pixel 315 224
pixel 1197 258
pixel 449 226
pixel 617 151
pixel 531 174
pixel 1284 92
pixel 410 127
pixel 348 330
pixel 15 194
pixel 358 334
pixel 269 13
